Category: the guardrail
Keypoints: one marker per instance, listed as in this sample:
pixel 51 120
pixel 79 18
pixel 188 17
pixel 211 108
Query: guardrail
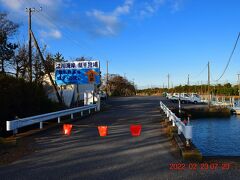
pixel 186 130
pixel 14 125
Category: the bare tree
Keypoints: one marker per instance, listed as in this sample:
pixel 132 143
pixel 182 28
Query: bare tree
pixel 7 29
pixel 20 61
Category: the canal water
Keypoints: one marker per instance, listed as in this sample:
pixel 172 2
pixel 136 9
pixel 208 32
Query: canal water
pixel 217 136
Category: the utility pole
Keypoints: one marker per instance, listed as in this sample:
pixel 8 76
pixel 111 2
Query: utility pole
pixel 107 81
pixel 201 89
pixel 188 80
pixel 30 10
pixel 239 84
pixel 168 76
pixel 209 96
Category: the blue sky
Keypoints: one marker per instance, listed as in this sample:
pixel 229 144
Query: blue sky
pixel 145 40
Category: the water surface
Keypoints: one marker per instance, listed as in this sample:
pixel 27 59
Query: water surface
pixel 217 136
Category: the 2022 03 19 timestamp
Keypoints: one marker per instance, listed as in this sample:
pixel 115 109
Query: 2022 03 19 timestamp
pixel 199 166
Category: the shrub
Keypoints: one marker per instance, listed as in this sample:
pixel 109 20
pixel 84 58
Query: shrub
pixel 22 99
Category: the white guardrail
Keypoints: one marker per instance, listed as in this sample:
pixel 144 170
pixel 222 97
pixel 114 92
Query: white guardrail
pixel 18 123
pixel 186 130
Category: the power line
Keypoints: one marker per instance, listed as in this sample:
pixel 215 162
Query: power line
pixel 68 34
pixel 205 67
pixel 230 57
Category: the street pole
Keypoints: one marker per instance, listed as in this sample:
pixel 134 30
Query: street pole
pixel 107 81
pixel 209 96
pixel 238 84
pixel 168 76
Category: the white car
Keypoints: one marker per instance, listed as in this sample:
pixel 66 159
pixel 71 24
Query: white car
pixel 195 98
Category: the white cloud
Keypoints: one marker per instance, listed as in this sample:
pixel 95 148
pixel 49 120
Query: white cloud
pixel 109 23
pixel 176 5
pixel 12 4
pixel 53 33
pixel 50 8
pixel 151 7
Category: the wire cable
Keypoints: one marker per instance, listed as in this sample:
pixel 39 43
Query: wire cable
pixel 205 67
pixel 230 57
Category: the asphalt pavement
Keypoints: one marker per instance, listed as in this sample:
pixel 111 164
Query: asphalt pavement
pixel 85 155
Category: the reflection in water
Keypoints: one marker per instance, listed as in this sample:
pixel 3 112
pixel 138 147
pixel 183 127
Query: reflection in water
pixel 217 136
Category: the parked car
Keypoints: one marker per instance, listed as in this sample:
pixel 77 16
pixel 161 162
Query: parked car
pixel 195 98
pixel 186 98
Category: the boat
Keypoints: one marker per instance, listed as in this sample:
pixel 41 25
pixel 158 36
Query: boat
pixel 236 110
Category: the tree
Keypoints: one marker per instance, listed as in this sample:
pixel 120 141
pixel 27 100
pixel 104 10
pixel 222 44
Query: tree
pixel 120 86
pixel 7 29
pixel 20 61
pixel 58 57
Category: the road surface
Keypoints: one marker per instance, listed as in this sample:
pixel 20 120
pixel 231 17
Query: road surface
pixel 85 155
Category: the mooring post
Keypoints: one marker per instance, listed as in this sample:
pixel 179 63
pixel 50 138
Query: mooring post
pixel 179 106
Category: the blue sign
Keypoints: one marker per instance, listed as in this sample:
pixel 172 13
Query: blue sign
pixel 77 72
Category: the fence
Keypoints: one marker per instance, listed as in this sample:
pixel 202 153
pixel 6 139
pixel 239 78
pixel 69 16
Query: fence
pixel 186 130
pixel 14 125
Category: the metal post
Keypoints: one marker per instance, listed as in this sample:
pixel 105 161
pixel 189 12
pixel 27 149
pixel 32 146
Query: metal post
pixel 179 105
pixel 59 120
pixel 179 131
pixel 173 123
pixel 81 113
pixel 41 125
pixel 71 116
pixel 89 111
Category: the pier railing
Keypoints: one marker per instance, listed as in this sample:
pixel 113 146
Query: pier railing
pixel 185 129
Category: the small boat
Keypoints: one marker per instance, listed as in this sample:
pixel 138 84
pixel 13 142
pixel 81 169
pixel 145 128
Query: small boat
pixel 236 110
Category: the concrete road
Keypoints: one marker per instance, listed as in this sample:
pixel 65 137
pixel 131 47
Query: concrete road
pixel 85 155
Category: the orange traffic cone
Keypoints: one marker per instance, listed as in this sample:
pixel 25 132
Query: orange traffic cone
pixel 102 130
pixel 135 130
pixel 67 129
